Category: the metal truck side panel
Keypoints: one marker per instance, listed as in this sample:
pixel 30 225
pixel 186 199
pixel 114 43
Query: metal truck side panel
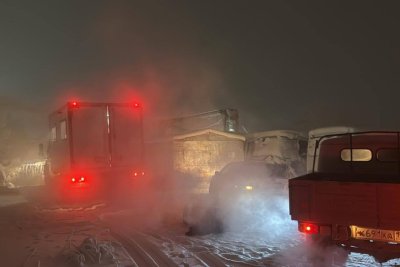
pixel 300 199
pixel 58 148
pixel 372 205
pixel 344 203
pixel 388 196
pixel 89 137
pixel 126 137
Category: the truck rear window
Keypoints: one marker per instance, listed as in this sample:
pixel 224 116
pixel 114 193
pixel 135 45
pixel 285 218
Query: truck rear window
pixel 371 153
pixel 63 130
pixel 356 154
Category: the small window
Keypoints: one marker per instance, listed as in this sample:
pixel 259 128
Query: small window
pixel 358 154
pixel 303 145
pixel 53 134
pixel 388 155
pixel 63 130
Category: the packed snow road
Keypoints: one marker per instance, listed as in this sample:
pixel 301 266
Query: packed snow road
pixel 36 233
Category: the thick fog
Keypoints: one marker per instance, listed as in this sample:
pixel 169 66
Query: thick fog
pixel 278 62
pixel 283 65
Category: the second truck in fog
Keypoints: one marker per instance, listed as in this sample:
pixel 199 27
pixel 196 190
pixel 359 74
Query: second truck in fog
pixel 94 144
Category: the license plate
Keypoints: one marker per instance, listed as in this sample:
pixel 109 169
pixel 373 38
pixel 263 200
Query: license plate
pixel 375 234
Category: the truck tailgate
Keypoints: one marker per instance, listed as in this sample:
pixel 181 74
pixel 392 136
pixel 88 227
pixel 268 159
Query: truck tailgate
pixel 346 203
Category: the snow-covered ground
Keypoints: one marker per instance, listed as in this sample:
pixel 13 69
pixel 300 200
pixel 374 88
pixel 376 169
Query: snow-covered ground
pixel 36 233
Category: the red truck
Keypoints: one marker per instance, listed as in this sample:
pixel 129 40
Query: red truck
pixel 94 145
pixel 352 196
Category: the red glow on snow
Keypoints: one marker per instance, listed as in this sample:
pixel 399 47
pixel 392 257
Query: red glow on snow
pixel 81 179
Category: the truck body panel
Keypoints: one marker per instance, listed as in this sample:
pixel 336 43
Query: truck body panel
pixel 357 185
pixel 100 139
pixel 124 126
pixel 348 203
pixel 58 152
pixel 89 137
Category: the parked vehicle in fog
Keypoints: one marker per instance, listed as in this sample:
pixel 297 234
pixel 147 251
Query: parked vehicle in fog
pixel 94 145
pixel 271 158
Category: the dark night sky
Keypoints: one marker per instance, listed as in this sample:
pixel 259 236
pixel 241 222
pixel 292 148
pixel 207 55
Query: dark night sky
pixel 283 64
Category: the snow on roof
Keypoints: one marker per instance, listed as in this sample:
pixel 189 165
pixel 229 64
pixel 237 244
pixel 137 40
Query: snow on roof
pixel 331 130
pixel 208 131
pixel 282 133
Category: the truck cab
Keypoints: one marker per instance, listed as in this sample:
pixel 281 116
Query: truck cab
pixel 94 145
pixel 351 196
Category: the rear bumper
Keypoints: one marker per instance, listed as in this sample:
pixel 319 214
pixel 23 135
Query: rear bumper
pixel 340 235
pixel 382 251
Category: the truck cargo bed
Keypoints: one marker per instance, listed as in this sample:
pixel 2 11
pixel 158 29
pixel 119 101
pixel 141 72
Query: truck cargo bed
pixel 319 198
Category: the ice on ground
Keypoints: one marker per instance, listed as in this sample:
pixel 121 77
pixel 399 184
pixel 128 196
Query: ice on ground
pixel 13 199
pixel 92 252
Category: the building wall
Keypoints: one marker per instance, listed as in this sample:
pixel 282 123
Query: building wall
pixel 198 158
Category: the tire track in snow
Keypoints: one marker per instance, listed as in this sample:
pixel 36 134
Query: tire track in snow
pixel 204 257
pixel 143 251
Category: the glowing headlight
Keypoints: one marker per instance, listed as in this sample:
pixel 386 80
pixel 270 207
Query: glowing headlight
pixel 248 187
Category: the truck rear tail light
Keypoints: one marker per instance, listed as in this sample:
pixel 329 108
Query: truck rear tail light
pixel 308 228
pixel 138 173
pixel 136 105
pixel 80 180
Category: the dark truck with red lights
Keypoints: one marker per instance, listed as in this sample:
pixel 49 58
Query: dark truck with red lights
pixel 94 145
pixel 352 196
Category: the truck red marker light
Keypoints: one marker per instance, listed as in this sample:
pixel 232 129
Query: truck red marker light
pixel 73 104
pixel 308 228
